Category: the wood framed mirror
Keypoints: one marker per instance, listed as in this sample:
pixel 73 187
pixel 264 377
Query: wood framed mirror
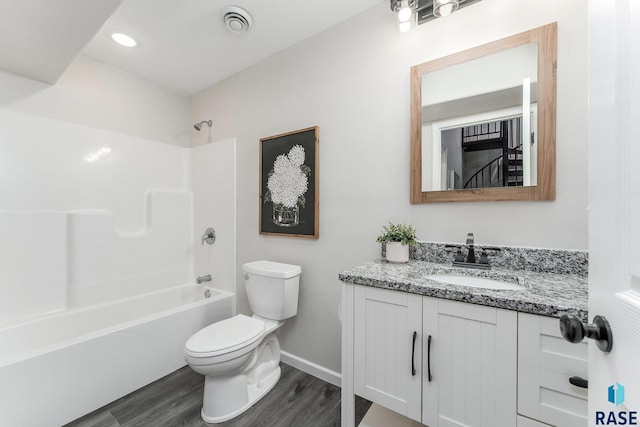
pixel 483 122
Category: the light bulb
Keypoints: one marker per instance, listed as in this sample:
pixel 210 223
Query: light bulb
pixel 404 14
pixel 444 7
pixel 404 27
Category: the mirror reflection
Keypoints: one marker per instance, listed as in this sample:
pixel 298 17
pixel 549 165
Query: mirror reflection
pixel 473 134
pixel 483 121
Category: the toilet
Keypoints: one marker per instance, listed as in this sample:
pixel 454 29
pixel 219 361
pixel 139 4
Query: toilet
pixel 240 356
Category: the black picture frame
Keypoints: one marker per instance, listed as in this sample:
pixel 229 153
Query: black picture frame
pixel 283 211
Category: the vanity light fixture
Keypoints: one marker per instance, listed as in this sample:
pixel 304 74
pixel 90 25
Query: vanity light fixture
pixel 442 8
pixel 405 10
pixel 427 10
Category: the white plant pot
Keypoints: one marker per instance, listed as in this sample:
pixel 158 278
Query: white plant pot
pixel 397 252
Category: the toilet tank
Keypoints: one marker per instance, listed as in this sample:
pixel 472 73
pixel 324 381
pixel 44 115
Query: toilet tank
pixel 272 288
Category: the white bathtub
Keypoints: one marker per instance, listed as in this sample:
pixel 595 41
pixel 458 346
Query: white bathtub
pixel 58 367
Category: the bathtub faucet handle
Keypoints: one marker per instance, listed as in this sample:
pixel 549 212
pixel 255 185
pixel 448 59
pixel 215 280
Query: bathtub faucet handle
pixel 209 236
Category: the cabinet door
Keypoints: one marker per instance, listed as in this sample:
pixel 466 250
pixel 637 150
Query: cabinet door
pixel 384 352
pixel 472 359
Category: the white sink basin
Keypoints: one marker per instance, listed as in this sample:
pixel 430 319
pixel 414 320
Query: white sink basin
pixel 474 281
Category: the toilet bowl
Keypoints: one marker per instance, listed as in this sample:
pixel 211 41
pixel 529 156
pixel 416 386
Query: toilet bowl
pixel 240 356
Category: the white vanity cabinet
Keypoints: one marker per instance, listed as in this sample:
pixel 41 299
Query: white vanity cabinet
pixel 386 358
pixel 471 353
pixel 546 362
pixel 470 349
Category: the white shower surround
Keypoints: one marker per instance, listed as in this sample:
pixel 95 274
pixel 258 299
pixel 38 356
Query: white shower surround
pixel 93 248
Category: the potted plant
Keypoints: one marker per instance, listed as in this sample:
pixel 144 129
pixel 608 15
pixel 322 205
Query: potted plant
pixel 397 239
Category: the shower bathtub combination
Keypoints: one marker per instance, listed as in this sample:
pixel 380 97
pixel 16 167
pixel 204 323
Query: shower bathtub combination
pixel 100 247
pixel 57 367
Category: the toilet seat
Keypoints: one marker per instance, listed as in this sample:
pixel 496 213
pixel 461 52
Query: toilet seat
pixel 225 336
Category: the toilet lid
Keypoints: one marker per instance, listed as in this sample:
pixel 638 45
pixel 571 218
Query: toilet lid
pixel 225 336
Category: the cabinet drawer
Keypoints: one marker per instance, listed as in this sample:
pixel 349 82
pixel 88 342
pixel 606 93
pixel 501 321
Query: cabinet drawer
pixel 545 364
pixel 540 344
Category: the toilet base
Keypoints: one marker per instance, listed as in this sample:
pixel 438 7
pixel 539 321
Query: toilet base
pixel 255 393
pixel 227 396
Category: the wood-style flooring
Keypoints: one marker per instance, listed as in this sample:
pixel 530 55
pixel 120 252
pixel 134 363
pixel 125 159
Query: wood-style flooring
pixel 299 400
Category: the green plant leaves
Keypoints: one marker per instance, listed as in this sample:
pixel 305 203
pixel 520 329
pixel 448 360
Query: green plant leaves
pixel 402 233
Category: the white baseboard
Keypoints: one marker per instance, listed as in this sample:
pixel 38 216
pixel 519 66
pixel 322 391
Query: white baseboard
pixel 311 368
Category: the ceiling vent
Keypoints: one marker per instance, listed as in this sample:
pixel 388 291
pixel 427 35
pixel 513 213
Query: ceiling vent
pixel 236 19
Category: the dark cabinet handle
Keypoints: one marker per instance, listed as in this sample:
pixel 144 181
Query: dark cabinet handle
pixel 579 382
pixel 413 353
pixel 429 358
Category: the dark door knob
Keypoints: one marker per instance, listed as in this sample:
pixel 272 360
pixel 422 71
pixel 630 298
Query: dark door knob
pixel 573 330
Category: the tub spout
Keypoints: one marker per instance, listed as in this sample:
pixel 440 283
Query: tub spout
pixel 202 279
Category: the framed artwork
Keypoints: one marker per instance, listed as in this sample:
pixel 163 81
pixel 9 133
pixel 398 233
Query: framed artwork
pixel 289 184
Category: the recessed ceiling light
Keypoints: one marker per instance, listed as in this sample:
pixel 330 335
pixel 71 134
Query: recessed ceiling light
pixel 124 39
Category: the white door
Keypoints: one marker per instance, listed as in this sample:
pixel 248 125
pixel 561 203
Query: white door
pixel 614 205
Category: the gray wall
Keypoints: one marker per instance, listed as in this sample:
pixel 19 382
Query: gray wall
pixel 353 81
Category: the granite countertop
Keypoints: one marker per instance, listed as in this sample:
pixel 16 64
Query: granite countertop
pixel 547 294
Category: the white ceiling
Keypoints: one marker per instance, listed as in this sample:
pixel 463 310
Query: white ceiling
pixel 39 38
pixel 183 44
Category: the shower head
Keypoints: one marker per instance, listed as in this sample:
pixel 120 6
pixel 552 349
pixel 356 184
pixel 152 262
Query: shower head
pixel 198 126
